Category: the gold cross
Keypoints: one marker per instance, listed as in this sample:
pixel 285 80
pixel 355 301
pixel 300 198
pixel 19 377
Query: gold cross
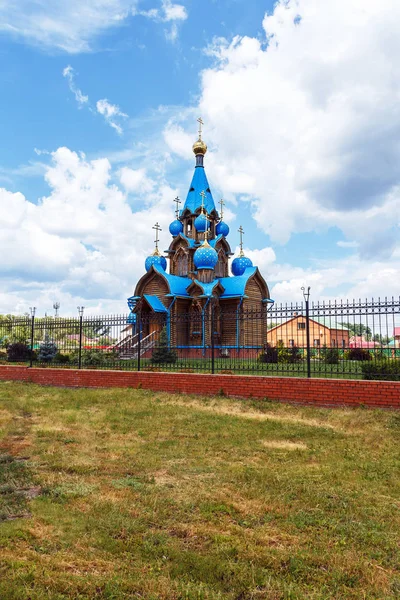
pixel 203 195
pixel 177 202
pixel 157 228
pixel 207 218
pixel 222 203
pixel 240 230
pixel 200 122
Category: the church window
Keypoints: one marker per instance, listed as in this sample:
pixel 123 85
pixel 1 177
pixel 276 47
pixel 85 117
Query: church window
pixel 220 266
pixel 181 263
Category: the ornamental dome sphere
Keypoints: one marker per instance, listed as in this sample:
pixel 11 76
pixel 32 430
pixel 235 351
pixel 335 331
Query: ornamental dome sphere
pixel 157 260
pixel 240 264
pixel 205 257
pixel 199 147
pixel 201 223
pixel 222 229
pixel 176 228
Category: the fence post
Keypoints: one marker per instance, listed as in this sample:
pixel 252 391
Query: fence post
pixel 306 295
pixel 212 337
pixel 80 309
pixel 33 311
pixel 139 325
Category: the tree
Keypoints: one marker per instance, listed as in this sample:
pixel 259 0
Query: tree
pixel 359 329
pixel 162 353
pixel 381 339
pixel 47 349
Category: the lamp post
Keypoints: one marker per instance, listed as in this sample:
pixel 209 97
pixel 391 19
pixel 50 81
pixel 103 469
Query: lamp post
pixel 33 312
pixel 80 311
pixel 306 296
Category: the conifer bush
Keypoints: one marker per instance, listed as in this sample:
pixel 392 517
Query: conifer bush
pixel 47 350
pixel 162 354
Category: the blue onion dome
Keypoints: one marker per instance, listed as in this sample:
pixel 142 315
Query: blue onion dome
pixel 240 264
pixel 205 257
pixel 157 260
pixel 201 223
pixel 222 229
pixel 176 227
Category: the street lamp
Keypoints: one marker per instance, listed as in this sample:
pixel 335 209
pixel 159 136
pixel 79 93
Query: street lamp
pixel 306 296
pixel 33 312
pixel 80 311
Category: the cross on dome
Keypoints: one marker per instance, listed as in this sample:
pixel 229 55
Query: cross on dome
pixel 222 204
pixel 203 195
pixel 157 228
pixel 241 232
pixel 177 202
pixel 200 122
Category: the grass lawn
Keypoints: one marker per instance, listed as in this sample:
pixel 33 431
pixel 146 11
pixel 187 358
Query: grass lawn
pixel 131 494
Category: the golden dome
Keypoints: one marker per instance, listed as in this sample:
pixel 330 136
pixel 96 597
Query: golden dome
pixel 199 147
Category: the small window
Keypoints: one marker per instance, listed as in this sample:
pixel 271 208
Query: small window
pixel 316 343
pixel 291 343
pixel 301 325
pixel 344 343
pixel 334 343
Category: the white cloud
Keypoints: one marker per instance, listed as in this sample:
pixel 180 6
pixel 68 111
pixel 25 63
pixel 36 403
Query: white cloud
pixel 343 244
pixel 168 13
pixel 111 113
pixel 83 239
pixel 306 121
pixel 81 99
pixel 135 180
pixel 66 25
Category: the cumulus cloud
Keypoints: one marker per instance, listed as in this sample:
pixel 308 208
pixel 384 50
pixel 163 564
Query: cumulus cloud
pixel 305 121
pixel 135 180
pixel 83 239
pixel 111 113
pixel 69 74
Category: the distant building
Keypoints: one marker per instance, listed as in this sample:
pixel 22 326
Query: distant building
pixel 323 332
pixel 359 341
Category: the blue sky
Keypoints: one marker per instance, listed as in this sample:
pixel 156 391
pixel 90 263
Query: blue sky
pixel 98 112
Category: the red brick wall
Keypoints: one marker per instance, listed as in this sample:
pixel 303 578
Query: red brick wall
pixel 320 392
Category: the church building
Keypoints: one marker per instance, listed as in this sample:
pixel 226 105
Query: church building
pixel 196 295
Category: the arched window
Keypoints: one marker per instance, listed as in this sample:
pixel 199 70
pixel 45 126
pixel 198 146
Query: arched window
pixel 181 262
pixel 196 323
pixel 220 266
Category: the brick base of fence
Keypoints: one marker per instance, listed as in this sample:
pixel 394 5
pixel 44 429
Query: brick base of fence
pixel 317 392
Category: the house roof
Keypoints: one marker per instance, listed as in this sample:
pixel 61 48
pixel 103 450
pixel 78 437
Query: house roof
pixel 396 332
pixel 155 303
pixel 327 323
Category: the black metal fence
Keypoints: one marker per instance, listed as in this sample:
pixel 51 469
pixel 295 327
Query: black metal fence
pixel 344 339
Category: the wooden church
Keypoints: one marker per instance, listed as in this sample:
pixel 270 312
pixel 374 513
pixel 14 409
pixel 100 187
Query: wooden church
pixel 198 296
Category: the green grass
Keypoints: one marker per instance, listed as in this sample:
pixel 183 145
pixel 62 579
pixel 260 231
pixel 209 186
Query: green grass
pixel 156 496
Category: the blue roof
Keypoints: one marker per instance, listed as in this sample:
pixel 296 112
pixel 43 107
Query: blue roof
pixel 207 288
pixel 235 286
pixel 214 241
pixel 155 303
pixel 177 285
pixel 193 199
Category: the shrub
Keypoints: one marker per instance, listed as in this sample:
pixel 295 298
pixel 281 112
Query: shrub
pixel 47 350
pixel 61 358
pixel 162 353
pixel 288 355
pixel 382 369
pixel 18 352
pixel 268 355
pixel 330 356
pixel 357 354
pixel 92 358
pixel 3 355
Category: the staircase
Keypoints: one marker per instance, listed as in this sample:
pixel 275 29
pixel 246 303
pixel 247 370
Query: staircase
pixel 128 347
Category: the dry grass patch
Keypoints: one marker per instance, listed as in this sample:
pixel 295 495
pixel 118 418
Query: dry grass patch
pixel 160 496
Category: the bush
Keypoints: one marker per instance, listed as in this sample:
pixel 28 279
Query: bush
pixel 330 356
pixel 162 354
pixel 61 358
pixel 288 355
pixel 269 355
pixel 47 350
pixel 382 369
pixel 92 358
pixel 357 354
pixel 3 355
pixel 18 352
